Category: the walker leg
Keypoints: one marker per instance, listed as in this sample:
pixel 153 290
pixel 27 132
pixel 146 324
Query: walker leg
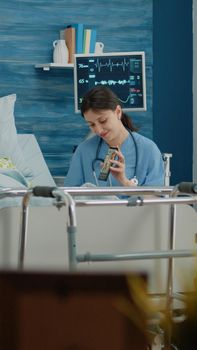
pixel 23 237
pixel 72 247
pixel 170 276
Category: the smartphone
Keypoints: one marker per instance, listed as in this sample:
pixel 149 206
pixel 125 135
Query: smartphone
pixel 104 173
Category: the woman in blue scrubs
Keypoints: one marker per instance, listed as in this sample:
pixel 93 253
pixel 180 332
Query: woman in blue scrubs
pixel 138 159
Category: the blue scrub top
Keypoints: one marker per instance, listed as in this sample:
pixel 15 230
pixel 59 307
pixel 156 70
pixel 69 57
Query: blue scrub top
pixel 149 168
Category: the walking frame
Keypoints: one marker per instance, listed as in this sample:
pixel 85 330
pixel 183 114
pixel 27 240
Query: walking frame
pixel 142 196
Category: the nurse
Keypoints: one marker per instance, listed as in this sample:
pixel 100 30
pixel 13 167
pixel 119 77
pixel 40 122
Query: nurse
pixel 138 160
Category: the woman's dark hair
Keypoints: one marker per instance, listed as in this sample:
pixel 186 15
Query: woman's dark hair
pixel 100 98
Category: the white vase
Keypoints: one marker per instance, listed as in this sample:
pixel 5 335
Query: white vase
pixel 60 52
pixel 99 47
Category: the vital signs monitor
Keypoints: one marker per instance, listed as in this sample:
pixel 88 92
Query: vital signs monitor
pixel 123 73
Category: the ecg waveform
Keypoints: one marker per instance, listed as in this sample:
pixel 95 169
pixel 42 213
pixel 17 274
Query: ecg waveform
pixel 130 98
pixel 112 82
pixel 126 100
pixel 110 64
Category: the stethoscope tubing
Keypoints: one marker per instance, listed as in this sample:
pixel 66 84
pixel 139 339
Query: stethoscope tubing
pixel 97 159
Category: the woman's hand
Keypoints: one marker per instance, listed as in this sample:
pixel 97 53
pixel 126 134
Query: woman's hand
pixel 118 170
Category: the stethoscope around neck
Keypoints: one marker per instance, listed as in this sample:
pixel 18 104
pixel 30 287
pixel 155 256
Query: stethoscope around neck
pixel 98 159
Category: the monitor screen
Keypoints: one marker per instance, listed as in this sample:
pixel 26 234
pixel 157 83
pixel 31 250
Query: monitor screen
pixel 123 73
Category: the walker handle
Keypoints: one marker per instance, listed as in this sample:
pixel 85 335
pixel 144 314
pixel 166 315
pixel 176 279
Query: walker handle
pixel 187 187
pixel 43 191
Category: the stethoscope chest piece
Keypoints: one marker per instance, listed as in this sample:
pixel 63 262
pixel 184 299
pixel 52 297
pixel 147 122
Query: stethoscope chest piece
pixel 134 180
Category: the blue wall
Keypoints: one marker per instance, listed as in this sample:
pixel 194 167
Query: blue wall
pixel 45 104
pixel 172 82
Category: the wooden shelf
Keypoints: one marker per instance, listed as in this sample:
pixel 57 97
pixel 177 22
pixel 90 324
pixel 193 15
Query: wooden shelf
pixel 48 66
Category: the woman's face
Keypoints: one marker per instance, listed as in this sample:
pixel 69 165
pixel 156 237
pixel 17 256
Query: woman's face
pixel 105 123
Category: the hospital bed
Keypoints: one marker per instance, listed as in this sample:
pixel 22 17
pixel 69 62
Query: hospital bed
pixel 105 226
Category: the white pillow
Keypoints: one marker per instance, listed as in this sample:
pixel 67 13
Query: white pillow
pixel 12 175
pixel 9 182
pixel 9 146
pixel 6 163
